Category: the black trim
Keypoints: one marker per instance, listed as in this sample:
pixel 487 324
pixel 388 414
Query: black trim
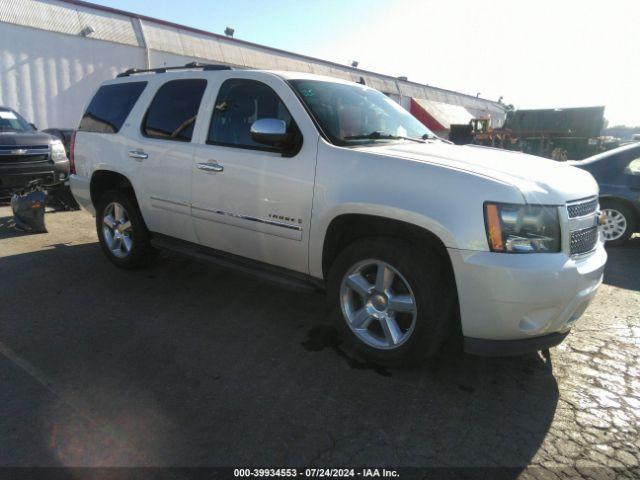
pixel 265 271
pixel 507 348
pixel 245 147
pixel 189 66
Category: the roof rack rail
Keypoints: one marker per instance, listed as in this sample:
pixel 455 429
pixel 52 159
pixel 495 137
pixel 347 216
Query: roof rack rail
pixel 191 65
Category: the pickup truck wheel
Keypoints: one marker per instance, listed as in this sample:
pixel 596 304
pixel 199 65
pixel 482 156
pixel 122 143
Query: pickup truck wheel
pixel 619 222
pixel 122 233
pixel 391 301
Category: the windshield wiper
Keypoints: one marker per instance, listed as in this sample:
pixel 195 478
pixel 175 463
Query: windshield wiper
pixel 431 136
pixel 382 136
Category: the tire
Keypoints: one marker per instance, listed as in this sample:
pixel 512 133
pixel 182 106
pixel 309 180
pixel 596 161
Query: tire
pixel 620 222
pixel 414 276
pixel 131 248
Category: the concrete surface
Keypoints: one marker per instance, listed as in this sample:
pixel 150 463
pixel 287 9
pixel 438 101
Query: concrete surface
pixel 186 364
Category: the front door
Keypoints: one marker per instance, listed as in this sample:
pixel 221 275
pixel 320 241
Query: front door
pixel 249 199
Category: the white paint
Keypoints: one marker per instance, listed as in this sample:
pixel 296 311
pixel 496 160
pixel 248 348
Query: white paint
pixel 48 77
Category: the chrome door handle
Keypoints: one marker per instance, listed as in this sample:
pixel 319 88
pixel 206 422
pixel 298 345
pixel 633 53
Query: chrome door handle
pixel 138 154
pixel 210 167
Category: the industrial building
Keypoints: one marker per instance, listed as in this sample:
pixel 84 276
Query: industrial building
pixel 55 53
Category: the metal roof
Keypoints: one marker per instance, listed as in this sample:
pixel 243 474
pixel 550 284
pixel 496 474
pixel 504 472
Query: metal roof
pixel 110 24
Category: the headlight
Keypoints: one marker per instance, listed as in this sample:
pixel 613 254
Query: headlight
pixel 58 153
pixel 514 228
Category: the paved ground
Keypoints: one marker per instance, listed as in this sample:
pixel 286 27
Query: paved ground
pixel 186 364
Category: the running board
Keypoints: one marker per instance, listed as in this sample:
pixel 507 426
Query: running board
pixel 281 276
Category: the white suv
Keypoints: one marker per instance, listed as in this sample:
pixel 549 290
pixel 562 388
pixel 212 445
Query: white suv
pixel 332 184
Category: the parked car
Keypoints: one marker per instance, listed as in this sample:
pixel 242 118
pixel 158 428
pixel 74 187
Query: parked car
pixel 28 156
pixel 618 175
pixel 329 183
pixel 61 195
pixel 63 134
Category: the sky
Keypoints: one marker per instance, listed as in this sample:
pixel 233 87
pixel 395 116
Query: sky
pixel 535 54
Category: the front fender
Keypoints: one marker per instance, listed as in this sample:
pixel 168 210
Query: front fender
pixel 444 201
pixel 321 227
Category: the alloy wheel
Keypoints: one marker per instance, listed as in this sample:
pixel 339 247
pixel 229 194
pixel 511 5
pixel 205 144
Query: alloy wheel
pixel 117 230
pixel 378 304
pixel 615 224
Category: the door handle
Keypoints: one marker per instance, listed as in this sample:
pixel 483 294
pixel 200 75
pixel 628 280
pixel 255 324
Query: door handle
pixel 210 167
pixel 138 154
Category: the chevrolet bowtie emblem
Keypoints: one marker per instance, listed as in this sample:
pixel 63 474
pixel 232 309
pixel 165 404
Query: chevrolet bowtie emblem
pixel 19 151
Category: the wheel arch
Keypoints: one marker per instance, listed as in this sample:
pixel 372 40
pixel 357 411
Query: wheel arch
pixel 627 203
pixel 104 180
pixel 345 228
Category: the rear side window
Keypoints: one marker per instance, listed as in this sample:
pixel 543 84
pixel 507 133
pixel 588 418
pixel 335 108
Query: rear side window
pixel 110 107
pixel 172 113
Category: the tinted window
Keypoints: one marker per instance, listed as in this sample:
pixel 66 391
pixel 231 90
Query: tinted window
pixel 239 104
pixel 110 107
pixel 352 114
pixel 172 113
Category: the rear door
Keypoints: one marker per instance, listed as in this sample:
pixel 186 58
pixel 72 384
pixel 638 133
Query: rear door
pixel 161 145
pixel 249 199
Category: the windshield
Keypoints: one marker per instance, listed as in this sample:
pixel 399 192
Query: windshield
pixel 10 121
pixel 355 115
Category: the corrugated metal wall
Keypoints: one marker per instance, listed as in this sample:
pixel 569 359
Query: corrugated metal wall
pixel 48 69
pixel 49 77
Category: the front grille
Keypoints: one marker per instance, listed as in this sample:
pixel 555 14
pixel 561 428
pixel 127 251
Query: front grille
pixel 16 154
pixel 583 208
pixel 583 241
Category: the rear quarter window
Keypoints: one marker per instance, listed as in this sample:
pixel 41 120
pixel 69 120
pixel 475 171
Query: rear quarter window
pixel 110 107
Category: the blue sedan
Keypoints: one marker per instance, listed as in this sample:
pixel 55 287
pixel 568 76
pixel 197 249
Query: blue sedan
pixel 618 174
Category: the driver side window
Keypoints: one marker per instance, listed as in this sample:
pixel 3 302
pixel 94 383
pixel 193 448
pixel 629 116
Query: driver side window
pixel 240 103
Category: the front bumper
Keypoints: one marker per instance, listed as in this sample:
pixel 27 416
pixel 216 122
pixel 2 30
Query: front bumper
pixel 17 176
pixel 507 348
pixel 511 297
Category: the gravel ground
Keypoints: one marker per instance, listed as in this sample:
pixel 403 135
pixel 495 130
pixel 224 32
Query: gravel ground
pixel 186 364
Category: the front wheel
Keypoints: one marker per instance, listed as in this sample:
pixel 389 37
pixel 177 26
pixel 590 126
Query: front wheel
pixel 393 302
pixel 619 222
pixel 123 235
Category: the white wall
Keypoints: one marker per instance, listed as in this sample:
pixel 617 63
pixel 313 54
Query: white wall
pixel 48 77
pixel 48 70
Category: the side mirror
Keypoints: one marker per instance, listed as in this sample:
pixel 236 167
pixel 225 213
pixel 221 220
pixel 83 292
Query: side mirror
pixel 270 131
pixel 33 125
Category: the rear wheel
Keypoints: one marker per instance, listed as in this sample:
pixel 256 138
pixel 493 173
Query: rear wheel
pixel 392 302
pixel 121 230
pixel 619 222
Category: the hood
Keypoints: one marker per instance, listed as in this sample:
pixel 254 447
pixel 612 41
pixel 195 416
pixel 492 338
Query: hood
pixel 26 139
pixel 540 180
